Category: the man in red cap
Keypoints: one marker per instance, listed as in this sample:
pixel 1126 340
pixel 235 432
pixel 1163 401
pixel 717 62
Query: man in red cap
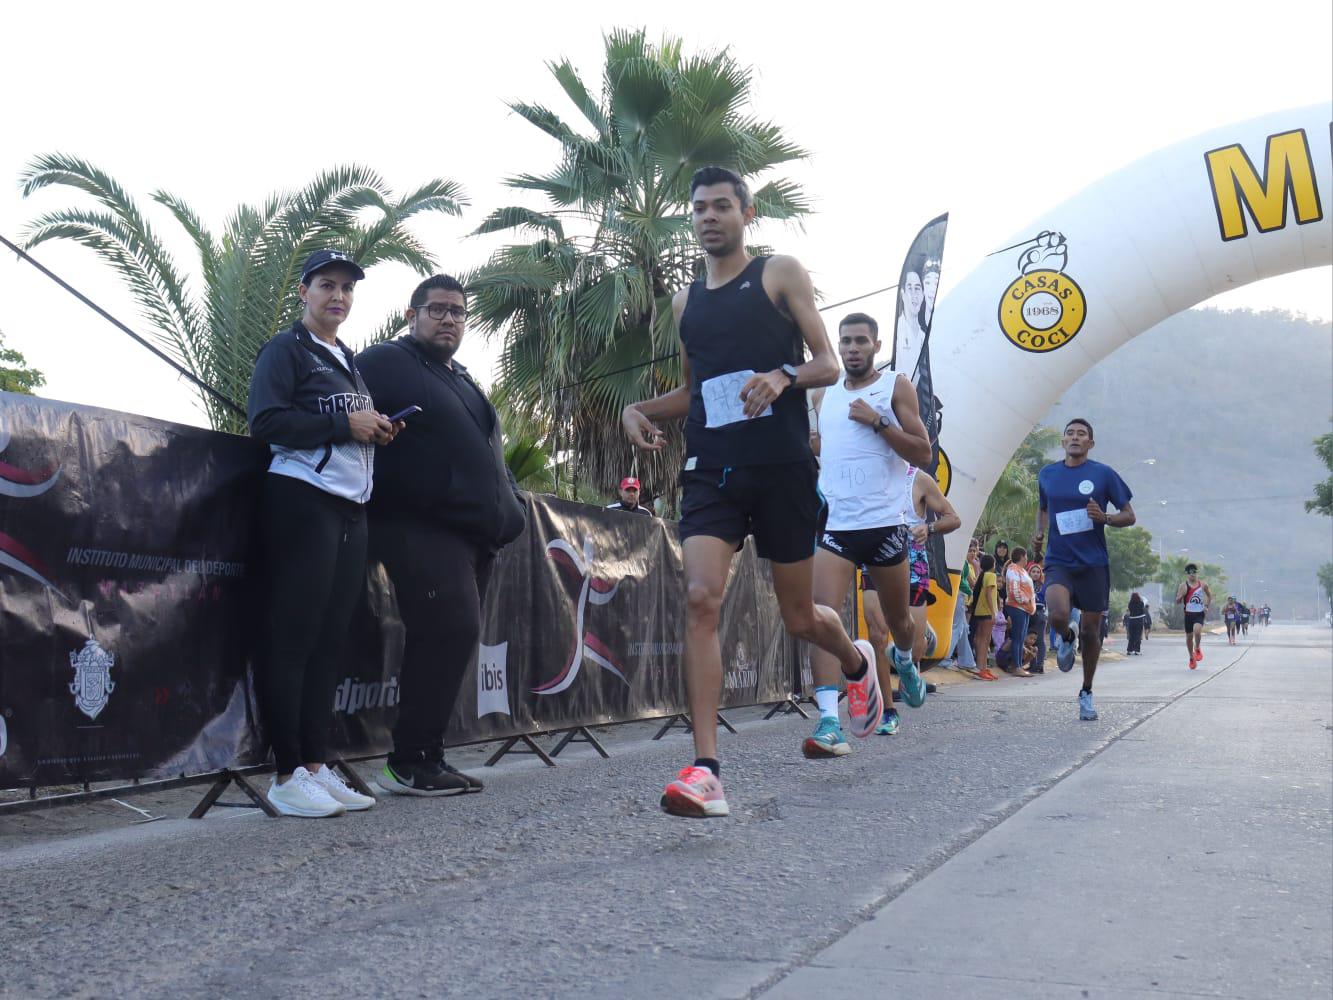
pixel 629 498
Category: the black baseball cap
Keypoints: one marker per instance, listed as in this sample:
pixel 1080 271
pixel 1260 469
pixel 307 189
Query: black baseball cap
pixel 323 258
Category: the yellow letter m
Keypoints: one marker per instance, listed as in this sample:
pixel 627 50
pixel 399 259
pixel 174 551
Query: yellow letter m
pixel 1238 189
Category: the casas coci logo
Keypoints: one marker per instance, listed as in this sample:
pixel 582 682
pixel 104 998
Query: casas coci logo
pixel 1044 307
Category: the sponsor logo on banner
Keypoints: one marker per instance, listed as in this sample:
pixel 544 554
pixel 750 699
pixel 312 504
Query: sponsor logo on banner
pixel 1043 308
pixel 92 684
pixel 353 695
pixel 1242 193
pixel 742 673
pixel 592 590
pixel 493 680
pixel 21 484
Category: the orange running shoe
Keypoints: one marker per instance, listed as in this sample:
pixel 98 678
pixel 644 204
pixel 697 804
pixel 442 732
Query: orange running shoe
pixel 1198 655
pixel 696 792
pixel 865 703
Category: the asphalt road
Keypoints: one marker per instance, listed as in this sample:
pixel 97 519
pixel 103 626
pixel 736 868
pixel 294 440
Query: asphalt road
pixel 997 847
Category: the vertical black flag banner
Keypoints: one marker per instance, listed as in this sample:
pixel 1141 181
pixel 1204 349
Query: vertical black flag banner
pixel 918 284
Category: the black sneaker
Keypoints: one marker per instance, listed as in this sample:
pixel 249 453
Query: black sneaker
pixel 473 784
pixel 418 776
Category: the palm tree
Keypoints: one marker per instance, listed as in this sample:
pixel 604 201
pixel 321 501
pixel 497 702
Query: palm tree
pixel 15 374
pixel 214 323
pixel 585 304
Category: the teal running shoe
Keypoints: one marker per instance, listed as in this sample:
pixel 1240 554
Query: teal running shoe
pixel 889 724
pixel 1086 712
pixel 827 741
pixel 909 679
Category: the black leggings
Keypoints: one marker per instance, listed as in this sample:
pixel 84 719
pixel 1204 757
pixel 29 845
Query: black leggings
pixel 439 579
pixel 315 560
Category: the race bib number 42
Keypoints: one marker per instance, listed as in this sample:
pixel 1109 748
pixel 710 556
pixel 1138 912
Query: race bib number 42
pixel 722 399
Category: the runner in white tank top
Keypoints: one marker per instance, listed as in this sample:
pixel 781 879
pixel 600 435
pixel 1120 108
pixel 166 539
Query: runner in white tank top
pixel 862 478
pixel 1197 598
pixel 868 429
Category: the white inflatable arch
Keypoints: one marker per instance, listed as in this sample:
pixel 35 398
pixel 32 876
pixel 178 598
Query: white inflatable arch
pixel 1210 214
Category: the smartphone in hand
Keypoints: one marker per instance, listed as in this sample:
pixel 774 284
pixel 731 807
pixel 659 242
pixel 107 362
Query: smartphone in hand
pixel 404 414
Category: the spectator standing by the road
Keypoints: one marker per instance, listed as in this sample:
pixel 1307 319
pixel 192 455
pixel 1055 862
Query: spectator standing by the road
pixel 1135 617
pixel 985 602
pixel 445 503
pixel 308 403
pixel 1020 604
pixel 960 651
pixel 1038 623
pixel 1001 555
pixel 629 498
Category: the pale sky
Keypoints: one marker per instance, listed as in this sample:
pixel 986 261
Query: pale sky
pixel 992 112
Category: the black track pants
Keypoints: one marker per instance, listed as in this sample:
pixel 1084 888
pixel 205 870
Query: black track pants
pixel 315 560
pixel 439 578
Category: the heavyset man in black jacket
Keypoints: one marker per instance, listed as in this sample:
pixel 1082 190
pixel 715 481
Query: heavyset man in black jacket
pixel 444 503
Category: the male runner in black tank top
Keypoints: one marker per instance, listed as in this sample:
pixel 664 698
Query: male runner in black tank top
pixel 748 466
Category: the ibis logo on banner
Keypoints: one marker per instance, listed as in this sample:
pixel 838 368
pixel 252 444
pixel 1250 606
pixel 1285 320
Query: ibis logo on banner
pixel 592 590
pixel 92 684
pixel 22 484
pixel 493 680
pixel 1043 308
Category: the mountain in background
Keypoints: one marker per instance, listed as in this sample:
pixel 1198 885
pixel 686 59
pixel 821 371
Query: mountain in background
pixel 1210 417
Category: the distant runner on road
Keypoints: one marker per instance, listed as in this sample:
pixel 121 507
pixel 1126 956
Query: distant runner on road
pixel 744 329
pixel 1197 598
pixel 1232 618
pixel 1073 497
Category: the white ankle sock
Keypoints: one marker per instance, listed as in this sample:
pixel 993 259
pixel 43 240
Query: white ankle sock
pixel 826 697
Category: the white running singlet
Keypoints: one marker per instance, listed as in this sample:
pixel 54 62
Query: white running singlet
pixel 861 477
pixel 1194 599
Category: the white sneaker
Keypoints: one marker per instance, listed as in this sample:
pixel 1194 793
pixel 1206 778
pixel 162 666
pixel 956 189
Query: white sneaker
pixel 332 782
pixel 302 795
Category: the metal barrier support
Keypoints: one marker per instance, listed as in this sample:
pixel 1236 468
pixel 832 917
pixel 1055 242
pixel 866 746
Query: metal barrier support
pixel 532 748
pixel 579 734
pixel 226 777
pixel 792 706
pixel 683 720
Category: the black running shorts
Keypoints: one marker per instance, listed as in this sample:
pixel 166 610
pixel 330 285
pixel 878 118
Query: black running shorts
pixel 886 546
pixel 1193 618
pixel 1089 586
pixel 780 505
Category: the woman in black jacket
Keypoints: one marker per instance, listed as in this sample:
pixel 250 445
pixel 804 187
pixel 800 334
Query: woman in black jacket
pixel 310 405
pixel 1136 618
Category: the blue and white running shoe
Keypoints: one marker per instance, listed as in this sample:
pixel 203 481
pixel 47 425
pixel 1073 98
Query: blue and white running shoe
pixel 827 741
pixel 909 679
pixel 1086 712
pixel 1065 650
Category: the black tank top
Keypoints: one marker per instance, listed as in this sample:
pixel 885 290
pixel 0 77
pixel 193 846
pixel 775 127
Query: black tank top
pixel 738 328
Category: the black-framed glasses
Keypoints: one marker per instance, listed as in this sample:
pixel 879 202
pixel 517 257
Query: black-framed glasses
pixel 438 310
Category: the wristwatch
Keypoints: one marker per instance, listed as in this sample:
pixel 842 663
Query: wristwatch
pixel 791 373
pixel 881 423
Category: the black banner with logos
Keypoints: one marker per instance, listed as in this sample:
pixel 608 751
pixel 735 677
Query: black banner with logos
pixel 129 590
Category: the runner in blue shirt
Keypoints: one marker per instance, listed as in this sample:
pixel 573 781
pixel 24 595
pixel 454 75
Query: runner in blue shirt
pixel 1074 497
